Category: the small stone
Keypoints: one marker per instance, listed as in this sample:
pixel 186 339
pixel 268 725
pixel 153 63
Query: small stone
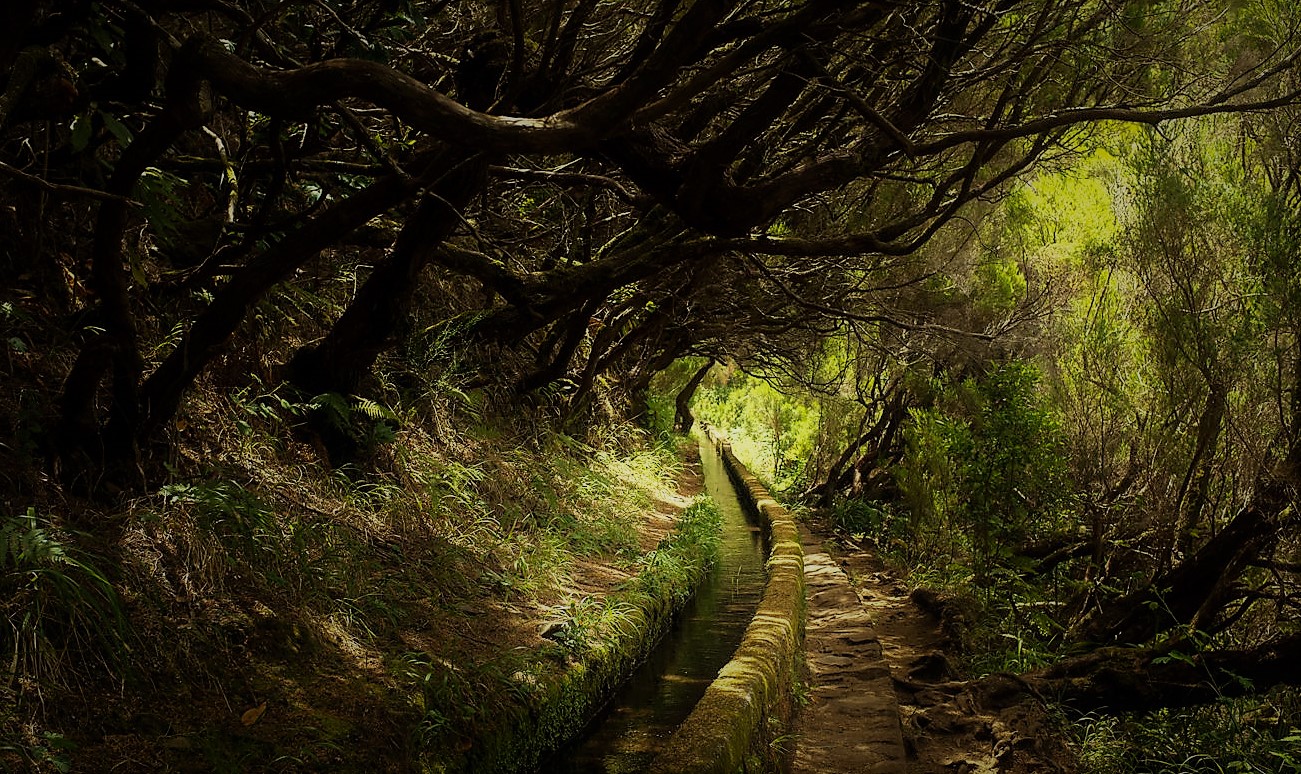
pixel 858 638
pixel 835 661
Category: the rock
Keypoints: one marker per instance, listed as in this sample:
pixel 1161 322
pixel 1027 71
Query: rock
pixel 930 668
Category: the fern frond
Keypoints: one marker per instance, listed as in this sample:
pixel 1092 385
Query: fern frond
pixel 373 410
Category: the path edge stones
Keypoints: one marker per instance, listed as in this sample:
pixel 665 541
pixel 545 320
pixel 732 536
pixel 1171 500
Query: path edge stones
pixel 852 720
pixel 750 703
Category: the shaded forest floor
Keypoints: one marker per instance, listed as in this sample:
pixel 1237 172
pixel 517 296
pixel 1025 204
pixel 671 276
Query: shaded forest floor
pixel 333 624
pixel 868 635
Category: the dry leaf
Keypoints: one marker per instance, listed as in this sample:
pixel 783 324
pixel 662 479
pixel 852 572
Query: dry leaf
pixel 250 717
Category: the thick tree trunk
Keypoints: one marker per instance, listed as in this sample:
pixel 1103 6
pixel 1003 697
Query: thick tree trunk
pixel 877 440
pixel 573 333
pixel 216 324
pixel 340 361
pixel 683 419
pixel 81 438
pixel 1140 680
pixel 1194 590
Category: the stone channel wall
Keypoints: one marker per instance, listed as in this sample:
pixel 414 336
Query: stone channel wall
pixel 749 704
pixel 526 735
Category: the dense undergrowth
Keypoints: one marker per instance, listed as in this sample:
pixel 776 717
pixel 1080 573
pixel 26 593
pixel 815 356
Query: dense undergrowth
pixel 1008 625
pixel 983 474
pixel 264 610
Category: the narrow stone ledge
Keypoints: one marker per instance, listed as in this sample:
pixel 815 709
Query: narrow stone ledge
pixel 852 722
pixel 750 703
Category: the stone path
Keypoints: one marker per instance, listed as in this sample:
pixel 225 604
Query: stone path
pixel 883 696
pixel 851 722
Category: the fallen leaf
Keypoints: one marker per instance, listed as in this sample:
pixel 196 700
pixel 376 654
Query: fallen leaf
pixel 251 716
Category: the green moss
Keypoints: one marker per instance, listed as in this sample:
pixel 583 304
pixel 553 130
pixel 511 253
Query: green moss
pixel 745 708
pixel 332 728
pixel 572 693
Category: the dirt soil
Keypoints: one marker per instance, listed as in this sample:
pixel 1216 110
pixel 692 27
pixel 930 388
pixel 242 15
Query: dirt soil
pixel 879 653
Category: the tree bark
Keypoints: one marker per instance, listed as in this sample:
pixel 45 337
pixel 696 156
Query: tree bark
pixel 82 440
pixel 683 419
pixel 573 334
pixel 1194 589
pixel 340 361
pixel 1188 515
pixel 216 324
pixel 1139 680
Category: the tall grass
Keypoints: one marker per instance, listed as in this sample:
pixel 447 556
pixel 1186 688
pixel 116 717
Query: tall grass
pixel 58 605
pixel 1255 735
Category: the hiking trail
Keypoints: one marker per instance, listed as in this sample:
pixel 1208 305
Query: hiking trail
pixel 882 695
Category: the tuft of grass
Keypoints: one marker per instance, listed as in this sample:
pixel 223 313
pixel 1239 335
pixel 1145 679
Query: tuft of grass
pixel 56 603
pixel 1255 735
pixel 462 699
pixel 674 567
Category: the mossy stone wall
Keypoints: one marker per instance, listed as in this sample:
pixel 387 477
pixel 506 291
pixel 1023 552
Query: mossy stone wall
pixel 565 704
pixel 749 703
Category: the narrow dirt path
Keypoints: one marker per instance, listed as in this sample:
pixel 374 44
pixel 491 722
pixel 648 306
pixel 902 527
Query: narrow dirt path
pixel 883 697
pixel 851 721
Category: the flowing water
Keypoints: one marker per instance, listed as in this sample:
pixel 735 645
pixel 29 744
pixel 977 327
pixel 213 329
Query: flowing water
pixel 662 692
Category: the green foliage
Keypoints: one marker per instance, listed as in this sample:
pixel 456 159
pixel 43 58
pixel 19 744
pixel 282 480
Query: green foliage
pixel 664 581
pixel 528 697
pixel 159 192
pixel 1178 274
pixel 366 421
pixel 225 506
pixel 49 752
pixel 56 601
pixel 292 551
pixel 673 569
pixel 983 473
pixel 1257 735
pixel 999 286
pixel 661 408
pixel 984 470
pixel 773 431
pixel 459 698
pixel 869 519
pixel 1058 217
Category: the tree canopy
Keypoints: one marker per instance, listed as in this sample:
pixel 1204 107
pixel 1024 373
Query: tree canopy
pixel 1033 262
pixel 676 178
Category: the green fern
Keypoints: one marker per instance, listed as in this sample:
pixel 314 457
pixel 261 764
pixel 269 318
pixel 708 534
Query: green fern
pixel 373 410
pixel 225 506
pixel 25 544
pixel 55 599
pixel 340 411
pixel 334 406
pixel 33 550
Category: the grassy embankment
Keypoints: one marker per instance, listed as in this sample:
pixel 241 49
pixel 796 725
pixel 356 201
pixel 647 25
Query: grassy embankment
pixel 261 610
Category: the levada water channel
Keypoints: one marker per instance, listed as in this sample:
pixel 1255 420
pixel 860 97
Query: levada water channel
pixel 662 692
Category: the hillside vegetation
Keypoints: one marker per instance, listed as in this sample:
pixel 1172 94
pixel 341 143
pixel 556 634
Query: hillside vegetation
pixel 331 333
pixel 1106 494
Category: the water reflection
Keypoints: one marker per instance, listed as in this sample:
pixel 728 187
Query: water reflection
pixel 661 693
